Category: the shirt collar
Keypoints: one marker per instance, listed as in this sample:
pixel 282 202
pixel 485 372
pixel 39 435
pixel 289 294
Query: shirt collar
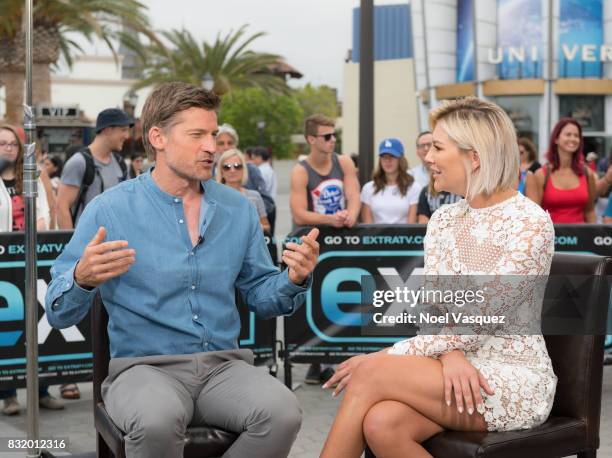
pixel 169 198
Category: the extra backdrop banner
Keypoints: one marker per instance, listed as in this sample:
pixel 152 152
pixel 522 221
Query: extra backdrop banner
pixel 328 327
pixel 65 355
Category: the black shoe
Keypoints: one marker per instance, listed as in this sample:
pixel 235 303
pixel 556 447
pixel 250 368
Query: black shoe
pixel 326 374
pixel 313 376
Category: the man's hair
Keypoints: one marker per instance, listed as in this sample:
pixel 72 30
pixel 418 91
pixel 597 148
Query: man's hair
pixel 262 152
pixel 313 122
pixel 229 130
pixel 481 126
pixel 166 101
pixel 425 132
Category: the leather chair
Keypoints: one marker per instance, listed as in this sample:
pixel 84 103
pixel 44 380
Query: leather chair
pixel 573 425
pixel 201 441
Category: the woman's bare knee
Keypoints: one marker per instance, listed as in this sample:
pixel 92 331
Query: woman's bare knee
pixel 387 421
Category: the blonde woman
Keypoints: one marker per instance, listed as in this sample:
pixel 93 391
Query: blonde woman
pixel 232 171
pixel 397 398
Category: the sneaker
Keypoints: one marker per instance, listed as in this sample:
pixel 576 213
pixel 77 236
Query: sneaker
pixel 11 406
pixel 313 376
pixel 326 374
pixel 51 403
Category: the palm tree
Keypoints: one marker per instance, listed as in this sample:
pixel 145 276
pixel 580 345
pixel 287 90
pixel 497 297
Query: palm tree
pixel 55 21
pixel 228 61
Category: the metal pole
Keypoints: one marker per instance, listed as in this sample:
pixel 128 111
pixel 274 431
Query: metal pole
pixel 31 274
pixel 549 78
pixel 366 91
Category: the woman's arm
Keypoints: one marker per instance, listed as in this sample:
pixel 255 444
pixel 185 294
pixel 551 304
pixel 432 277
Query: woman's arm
pixel 604 182
pixel 265 224
pixel 534 186
pixel 589 209
pixel 412 214
pixel 366 214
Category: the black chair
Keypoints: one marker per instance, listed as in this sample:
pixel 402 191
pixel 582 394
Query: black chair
pixel 573 425
pixel 201 441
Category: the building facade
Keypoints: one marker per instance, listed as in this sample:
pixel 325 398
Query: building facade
pixel 540 60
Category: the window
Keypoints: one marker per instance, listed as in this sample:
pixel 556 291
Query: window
pixel 588 110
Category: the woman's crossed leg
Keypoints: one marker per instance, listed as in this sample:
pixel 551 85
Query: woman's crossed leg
pixel 396 402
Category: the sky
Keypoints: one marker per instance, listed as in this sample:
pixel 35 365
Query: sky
pixel 312 35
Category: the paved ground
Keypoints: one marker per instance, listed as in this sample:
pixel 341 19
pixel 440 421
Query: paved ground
pixel 76 421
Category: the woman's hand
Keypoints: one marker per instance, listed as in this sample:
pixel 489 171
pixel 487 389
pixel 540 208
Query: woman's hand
pixel 464 380
pixel 343 373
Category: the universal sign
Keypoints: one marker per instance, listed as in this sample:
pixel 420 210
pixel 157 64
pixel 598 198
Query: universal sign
pixel 583 53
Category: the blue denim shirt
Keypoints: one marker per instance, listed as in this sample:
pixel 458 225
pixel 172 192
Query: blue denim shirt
pixel 176 298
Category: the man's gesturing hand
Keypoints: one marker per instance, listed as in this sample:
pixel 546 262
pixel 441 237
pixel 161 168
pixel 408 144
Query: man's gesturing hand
pixel 302 259
pixel 102 261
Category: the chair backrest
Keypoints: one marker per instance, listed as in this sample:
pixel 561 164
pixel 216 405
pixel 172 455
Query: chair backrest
pixel 578 359
pixel 100 346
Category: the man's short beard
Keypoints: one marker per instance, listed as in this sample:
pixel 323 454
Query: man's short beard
pixel 186 176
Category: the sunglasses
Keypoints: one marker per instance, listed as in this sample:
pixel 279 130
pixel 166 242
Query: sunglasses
pixel 236 165
pixel 327 137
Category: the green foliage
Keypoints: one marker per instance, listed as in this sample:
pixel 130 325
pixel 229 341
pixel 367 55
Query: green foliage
pixel 103 19
pixel 320 99
pixel 282 114
pixel 228 61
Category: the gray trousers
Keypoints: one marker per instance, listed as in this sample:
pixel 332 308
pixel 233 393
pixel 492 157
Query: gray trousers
pixel 154 398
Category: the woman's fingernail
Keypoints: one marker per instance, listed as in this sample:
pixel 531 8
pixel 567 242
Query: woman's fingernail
pixel 460 409
pixel 470 411
pixel 334 394
pixel 448 403
pixel 324 385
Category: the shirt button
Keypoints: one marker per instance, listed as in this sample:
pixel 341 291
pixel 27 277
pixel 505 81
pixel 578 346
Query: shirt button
pixel 206 344
pixel 192 253
pixel 177 200
pixel 192 286
pixel 195 317
pixel 181 221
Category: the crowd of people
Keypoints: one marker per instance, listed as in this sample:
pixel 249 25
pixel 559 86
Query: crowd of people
pixel 206 191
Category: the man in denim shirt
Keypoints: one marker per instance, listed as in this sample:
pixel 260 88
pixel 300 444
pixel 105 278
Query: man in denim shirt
pixel 166 252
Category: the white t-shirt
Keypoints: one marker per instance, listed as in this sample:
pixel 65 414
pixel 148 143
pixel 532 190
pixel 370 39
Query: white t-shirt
pixel 388 205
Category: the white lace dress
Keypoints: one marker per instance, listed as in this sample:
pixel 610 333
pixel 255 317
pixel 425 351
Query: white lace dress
pixel 514 237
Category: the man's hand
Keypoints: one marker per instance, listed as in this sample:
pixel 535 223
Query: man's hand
pixel 349 221
pixel 102 261
pixel 302 259
pixel 337 219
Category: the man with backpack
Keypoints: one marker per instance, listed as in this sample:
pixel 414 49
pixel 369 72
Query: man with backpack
pixel 94 168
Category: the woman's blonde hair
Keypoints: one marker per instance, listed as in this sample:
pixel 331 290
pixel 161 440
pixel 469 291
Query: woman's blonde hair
pixel 483 127
pixel 226 155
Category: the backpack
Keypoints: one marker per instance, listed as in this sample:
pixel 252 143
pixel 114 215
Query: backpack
pixel 88 177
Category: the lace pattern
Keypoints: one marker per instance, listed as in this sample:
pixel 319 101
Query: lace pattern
pixel 514 237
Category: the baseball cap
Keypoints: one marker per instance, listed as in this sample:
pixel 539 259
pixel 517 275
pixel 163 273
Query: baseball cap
pixel 391 146
pixel 113 117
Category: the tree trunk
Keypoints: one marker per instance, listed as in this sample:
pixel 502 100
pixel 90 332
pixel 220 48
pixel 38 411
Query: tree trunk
pixel 41 83
pixel 14 90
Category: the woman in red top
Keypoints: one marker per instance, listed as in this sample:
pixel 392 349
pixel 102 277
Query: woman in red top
pixel 565 187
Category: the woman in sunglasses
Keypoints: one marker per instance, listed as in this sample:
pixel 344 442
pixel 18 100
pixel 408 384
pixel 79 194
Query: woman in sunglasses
pixel 232 171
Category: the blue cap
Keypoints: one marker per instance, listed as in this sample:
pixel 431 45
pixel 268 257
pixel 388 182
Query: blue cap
pixel 113 117
pixel 391 146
